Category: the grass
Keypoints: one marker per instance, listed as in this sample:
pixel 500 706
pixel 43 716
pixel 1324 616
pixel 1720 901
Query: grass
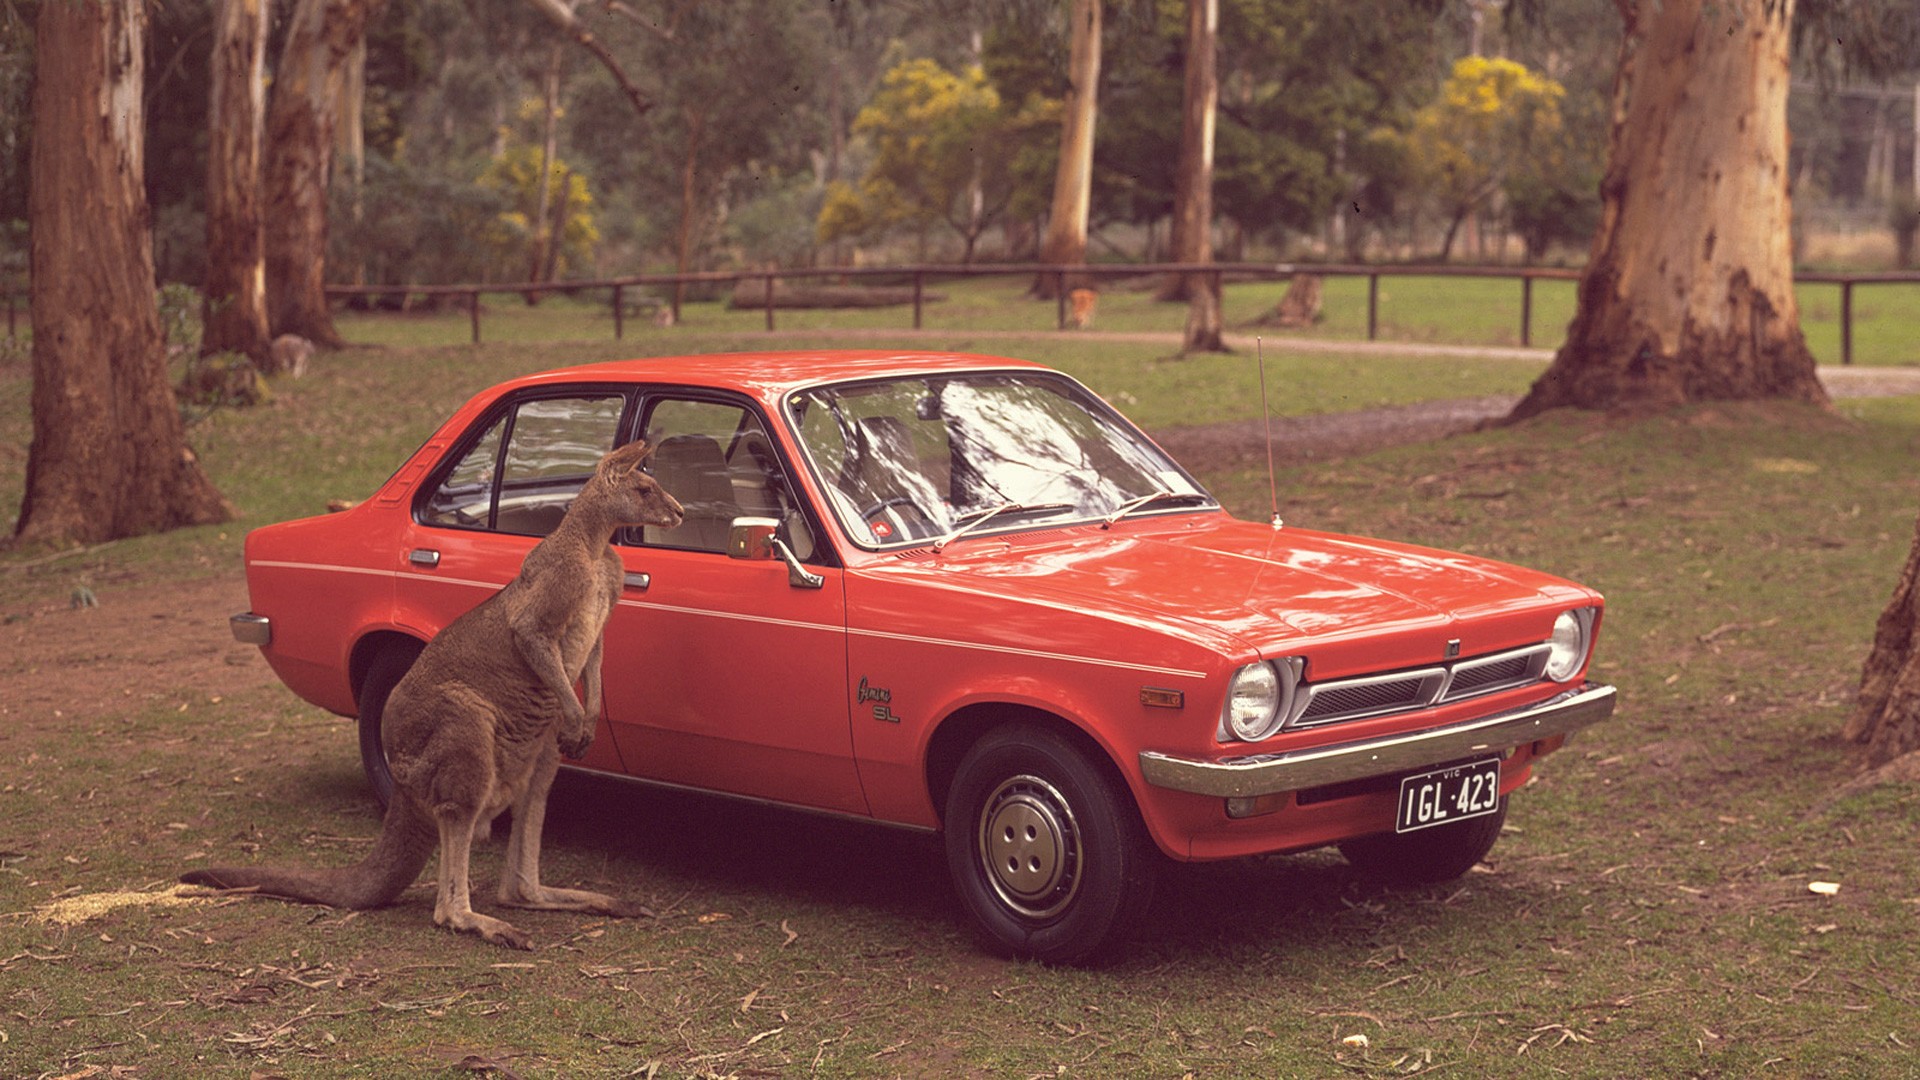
pixel 1648 913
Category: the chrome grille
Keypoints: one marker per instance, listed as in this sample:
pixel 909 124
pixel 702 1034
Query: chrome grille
pixel 1372 695
pixel 1501 671
pixel 1403 691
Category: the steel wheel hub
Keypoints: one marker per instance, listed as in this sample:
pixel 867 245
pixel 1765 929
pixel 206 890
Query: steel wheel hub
pixel 1030 847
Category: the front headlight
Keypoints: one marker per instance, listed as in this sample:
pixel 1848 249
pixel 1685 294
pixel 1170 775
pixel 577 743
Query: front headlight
pixel 1567 646
pixel 1258 700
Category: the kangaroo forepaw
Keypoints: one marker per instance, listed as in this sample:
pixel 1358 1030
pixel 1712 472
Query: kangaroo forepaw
pixel 575 748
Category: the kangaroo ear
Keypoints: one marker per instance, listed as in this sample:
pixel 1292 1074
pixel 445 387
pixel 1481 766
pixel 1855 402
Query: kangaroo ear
pixel 624 460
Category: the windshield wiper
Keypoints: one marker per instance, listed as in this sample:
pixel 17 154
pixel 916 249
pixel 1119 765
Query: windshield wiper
pixel 973 519
pixel 1143 501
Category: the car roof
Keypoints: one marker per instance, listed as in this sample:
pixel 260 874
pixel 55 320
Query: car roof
pixel 774 374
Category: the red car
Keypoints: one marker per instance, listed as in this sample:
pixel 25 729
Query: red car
pixel 962 594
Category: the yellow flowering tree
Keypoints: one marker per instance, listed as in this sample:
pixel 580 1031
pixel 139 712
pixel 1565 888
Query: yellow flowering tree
pixel 1493 123
pixel 942 145
pixel 517 241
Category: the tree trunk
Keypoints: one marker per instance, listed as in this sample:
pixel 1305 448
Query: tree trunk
pixel 1066 242
pixel 1688 291
pixel 235 308
pixel 300 123
pixel 545 236
pixel 1189 231
pixel 109 457
pixel 689 203
pixel 1193 192
pixel 1886 717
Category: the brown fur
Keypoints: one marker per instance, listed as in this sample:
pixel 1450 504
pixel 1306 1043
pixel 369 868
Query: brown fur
pixel 479 722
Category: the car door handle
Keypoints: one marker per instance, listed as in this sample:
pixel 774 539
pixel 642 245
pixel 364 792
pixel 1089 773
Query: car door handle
pixel 638 581
pixel 423 557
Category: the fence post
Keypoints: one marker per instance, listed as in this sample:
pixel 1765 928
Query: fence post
pixel 1526 310
pixel 769 301
pixel 1373 306
pixel 1060 300
pixel 619 311
pixel 1846 321
pixel 473 311
pixel 919 280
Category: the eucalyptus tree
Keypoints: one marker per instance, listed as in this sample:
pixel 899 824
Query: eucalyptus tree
pixel 1687 294
pixel 109 456
pixel 234 295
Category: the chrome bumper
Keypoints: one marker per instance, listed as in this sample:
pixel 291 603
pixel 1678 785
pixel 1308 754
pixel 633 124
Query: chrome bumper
pixel 1269 774
pixel 251 629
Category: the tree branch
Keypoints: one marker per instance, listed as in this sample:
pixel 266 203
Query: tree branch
pixel 561 15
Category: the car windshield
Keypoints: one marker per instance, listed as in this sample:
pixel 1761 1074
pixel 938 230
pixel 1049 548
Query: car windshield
pixel 937 457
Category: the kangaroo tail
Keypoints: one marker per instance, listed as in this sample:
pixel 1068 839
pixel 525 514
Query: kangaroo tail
pixel 407 839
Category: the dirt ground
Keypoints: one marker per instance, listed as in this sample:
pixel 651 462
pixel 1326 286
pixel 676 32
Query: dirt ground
pixel 168 640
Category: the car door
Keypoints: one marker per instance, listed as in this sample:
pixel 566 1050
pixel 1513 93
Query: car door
pixel 723 673
pixel 504 486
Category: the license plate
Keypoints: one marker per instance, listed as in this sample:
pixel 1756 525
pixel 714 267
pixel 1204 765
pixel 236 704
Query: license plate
pixel 1447 795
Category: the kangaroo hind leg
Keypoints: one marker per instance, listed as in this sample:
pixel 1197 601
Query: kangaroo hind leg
pixel 453 905
pixel 520 878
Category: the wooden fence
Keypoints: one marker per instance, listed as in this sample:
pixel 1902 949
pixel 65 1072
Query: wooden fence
pixel 918 276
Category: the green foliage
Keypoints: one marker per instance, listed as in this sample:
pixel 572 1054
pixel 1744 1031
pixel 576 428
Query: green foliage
pixel 514 177
pixel 180 306
pixel 414 225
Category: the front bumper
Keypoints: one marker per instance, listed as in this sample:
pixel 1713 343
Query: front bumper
pixel 1271 774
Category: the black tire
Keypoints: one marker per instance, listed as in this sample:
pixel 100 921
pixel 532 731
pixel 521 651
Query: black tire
pixel 1045 847
pixel 1427 856
pixel 393 662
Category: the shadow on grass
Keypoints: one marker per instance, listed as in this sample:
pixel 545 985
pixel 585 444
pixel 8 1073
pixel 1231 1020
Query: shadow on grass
pixel 686 850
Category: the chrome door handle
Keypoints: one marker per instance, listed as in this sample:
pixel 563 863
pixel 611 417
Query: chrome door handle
pixel 423 557
pixel 638 581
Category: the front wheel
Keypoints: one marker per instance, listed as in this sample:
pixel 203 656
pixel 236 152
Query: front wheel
pixel 1045 848
pixel 1427 856
pixel 392 663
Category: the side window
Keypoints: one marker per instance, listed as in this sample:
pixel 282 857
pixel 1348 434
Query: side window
pixel 717 461
pixel 550 448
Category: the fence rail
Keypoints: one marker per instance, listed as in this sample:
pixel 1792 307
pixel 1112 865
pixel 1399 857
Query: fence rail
pixel 1063 277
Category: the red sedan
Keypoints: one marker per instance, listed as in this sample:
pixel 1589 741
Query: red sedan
pixel 962 594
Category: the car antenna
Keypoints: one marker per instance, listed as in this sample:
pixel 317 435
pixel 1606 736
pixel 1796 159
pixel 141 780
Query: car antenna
pixel 1266 415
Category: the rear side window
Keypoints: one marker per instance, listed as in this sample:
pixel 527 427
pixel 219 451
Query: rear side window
pixel 524 470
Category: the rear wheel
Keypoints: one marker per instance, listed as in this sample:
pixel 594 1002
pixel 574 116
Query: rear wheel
pixel 1045 848
pixel 393 662
pixel 1427 856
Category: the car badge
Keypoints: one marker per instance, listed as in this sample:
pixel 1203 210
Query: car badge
pixel 881 529
pixel 1453 648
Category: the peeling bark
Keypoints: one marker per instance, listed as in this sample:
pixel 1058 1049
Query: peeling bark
pixel 235 307
pixel 1066 241
pixel 109 456
pixel 1688 292
pixel 300 136
pixel 1886 715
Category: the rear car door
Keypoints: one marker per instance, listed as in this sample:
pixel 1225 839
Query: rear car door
pixel 505 485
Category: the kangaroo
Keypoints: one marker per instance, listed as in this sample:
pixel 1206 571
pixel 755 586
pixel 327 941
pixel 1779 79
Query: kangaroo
pixel 479 722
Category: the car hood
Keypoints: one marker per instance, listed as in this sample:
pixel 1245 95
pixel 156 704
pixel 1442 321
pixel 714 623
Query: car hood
pixel 1355 604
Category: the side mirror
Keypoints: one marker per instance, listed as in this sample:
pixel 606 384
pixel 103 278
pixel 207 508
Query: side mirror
pixel 752 538
pixel 757 539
